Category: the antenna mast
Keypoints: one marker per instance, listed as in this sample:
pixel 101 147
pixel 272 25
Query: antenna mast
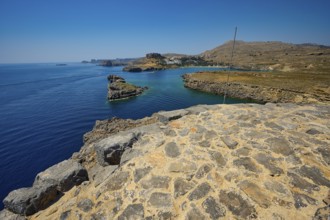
pixel 230 65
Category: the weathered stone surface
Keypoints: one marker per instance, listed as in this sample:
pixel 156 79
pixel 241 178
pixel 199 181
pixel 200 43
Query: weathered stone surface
pixel 242 152
pixel 273 125
pixel 255 193
pixel 181 187
pixel 65 215
pixel 172 150
pixel 117 180
pixel 322 213
pixel 140 173
pixel 315 175
pixel 301 183
pixel 200 191
pixel 85 205
pixel 280 146
pixel 205 143
pixel 301 200
pixel 203 170
pixel 27 201
pixel 213 208
pixel 281 202
pixel 237 205
pixel 7 215
pixel 171 115
pixel 182 166
pixel 63 175
pixel 132 211
pixel 99 173
pixel 165 215
pixel 276 187
pixel 247 163
pixel 130 154
pixel 156 182
pixel 195 214
pixel 231 144
pixel 160 200
pixel 218 158
pixel 325 152
pixel 110 150
pixel 313 131
pixel 269 163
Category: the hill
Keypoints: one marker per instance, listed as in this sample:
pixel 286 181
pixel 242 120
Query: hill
pixel 272 55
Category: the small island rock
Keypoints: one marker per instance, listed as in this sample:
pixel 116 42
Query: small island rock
pixel 119 89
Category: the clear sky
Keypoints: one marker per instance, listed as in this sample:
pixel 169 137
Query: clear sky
pixel 75 30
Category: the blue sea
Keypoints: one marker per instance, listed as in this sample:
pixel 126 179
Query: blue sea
pixel 45 110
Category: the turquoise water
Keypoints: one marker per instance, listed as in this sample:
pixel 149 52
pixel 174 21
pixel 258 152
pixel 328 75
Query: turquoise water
pixel 45 110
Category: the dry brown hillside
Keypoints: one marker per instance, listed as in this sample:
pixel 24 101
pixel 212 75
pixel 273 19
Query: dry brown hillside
pixel 273 56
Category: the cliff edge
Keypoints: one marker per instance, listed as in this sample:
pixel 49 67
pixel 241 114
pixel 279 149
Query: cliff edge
pixel 244 161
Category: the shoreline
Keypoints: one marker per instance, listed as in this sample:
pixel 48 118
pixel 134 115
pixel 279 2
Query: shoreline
pixel 256 92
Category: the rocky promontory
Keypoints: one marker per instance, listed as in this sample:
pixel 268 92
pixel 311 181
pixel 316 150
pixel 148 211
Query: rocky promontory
pixel 243 161
pixel 263 86
pixel 118 88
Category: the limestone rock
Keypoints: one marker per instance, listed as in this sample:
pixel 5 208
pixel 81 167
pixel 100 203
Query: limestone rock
pixel 63 175
pixel 237 205
pixel 181 187
pixel 109 151
pixel 229 142
pixel 7 215
pixel 171 115
pixel 156 182
pixel 200 191
pixel 160 200
pixel 27 201
pixel 133 211
pixel 213 208
pixel 172 150
pixel 85 205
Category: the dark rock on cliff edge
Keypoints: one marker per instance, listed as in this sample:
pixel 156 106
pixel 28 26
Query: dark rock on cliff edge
pixel 48 186
pixel 119 89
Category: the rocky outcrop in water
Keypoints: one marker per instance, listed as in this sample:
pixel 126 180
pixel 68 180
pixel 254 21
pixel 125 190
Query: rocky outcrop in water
pixel 244 161
pixel 119 89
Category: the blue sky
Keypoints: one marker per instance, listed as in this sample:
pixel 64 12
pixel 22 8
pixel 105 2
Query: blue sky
pixel 75 30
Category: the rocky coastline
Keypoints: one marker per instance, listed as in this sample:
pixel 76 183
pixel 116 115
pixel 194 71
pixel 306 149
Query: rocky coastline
pixel 118 88
pixel 258 93
pixel 204 162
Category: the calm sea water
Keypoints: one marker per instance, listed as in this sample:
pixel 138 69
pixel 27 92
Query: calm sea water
pixel 45 110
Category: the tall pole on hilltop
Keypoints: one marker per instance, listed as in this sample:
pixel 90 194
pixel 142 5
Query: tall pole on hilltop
pixel 230 65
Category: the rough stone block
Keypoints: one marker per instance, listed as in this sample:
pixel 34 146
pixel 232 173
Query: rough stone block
pixel 27 201
pixel 63 175
pixel 171 115
pixel 110 150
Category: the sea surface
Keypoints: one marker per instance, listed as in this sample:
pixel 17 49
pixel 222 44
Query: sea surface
pixel 45 110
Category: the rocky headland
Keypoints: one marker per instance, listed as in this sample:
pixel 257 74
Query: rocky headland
pixel 244 161
pixel 156 61
pixel 118 88
pixel 264 86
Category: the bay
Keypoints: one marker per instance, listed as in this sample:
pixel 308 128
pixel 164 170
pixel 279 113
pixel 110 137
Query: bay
pixel 45 110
